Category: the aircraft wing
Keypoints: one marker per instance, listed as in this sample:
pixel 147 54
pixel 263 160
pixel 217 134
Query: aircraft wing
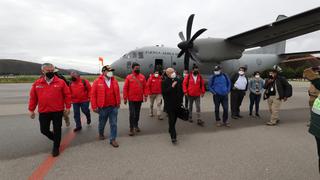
pixel 280 30
pixel 299 53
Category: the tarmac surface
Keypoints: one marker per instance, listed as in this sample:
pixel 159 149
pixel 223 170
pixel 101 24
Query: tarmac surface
pixel 249 150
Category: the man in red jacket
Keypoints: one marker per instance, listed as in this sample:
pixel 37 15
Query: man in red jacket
pixel 52 96
pixel 193 88
pixel 134 91
pixel 154 92
pixel 105 100
pixel 80 95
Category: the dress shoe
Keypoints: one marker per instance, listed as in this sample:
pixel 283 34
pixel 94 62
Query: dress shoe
pixel 55 152
pixel 77 129
pixel 114 143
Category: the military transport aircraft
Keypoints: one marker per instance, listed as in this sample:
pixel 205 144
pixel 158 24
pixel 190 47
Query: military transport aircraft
pixel 230 52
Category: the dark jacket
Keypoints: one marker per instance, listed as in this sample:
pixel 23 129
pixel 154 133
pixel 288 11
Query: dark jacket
pixel 172 97
pixel 314 128
pixel 234 79
pixel 283 88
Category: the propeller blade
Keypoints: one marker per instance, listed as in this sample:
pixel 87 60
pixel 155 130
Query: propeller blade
pixel 189 26
pixel 186 61
pixel 197 34
pixel 180 53
pixel 182 36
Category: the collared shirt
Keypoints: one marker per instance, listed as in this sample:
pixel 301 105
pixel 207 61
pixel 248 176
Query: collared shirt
pixel 48 81
pixel 195 78
pixel 241 83
pixel 108 82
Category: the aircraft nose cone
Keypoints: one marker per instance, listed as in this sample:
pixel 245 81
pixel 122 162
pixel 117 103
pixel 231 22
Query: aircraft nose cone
pixel 185 45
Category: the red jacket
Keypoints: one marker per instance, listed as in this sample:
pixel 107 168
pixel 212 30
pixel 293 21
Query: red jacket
pixel 99 98
pixel 193 88
pixel 154 85
pixel 79 92
pixel 134 88
pixel 51 97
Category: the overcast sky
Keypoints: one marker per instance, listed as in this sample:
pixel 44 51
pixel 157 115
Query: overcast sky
pixel 74 33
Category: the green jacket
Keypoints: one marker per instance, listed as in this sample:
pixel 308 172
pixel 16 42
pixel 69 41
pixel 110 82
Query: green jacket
pixel 314 128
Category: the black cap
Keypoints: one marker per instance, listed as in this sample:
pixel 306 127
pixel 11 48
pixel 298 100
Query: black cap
pixel 107 68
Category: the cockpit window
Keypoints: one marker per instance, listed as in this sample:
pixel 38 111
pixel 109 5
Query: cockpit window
pixel 140 55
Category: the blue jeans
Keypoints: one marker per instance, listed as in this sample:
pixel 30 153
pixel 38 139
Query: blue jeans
pixel 112 114
pixel 76 112
pixel 223 100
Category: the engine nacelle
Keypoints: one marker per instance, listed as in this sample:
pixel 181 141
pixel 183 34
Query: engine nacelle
pixel 215 50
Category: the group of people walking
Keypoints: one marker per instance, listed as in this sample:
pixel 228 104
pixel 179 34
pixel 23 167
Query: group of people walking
pixel 54 97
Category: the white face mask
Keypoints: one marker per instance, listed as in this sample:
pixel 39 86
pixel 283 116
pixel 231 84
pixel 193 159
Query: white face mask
pixel 241 72
pixel 173 75
pixel 217 72
pixel 257 76
pixel 109 74
pixel 156 75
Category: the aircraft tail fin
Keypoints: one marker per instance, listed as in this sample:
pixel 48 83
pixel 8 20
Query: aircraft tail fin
pixel 276 48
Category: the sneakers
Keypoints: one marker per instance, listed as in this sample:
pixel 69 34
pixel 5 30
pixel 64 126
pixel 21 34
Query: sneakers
pixel 160 118
pixel 77 129
pixel 55 152
pixel 227 124
pixel 257 115
pixel 218 124
pixel 114 144
pixel 190 121
pixel 151 115
pixel 271 123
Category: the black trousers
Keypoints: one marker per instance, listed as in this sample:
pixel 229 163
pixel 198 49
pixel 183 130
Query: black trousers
pixel 223 100
pixel 172 119
pixel 236 100
pixel 45 121
pixel 134 116
pixel 254 100
pixel 318 149
pixel 186 100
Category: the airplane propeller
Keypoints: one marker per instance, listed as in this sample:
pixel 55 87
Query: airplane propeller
pixel 187 44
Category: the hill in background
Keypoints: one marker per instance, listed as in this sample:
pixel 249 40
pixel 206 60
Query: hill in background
pixel 18 67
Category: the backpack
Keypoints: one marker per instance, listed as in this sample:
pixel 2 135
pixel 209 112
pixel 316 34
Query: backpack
pixel 289 90
pixel 225 77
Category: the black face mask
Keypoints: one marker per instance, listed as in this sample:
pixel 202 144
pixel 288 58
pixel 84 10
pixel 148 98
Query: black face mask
pixel 73 79
pixel 195 73
pixel 49 75
pixel 137 71
pixel 270 77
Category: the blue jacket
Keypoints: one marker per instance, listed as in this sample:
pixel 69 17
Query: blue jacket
pixel 219 84
pixel 252 85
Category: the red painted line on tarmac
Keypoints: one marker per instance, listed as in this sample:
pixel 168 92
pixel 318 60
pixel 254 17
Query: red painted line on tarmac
pixel 48 163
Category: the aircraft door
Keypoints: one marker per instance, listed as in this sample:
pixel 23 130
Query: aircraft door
pixel 158 64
